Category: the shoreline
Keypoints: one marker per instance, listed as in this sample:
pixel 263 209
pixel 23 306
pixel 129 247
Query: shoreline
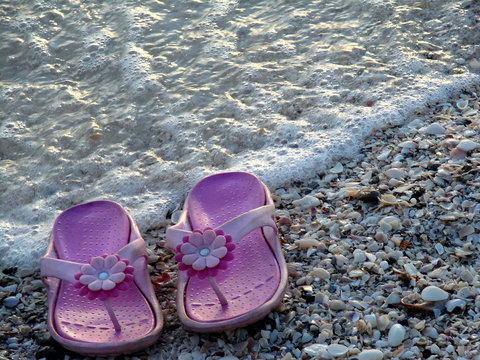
pixel 352 256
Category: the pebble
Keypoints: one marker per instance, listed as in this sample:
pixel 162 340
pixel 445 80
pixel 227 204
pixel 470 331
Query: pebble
pixel 337 350
pixel 11 301
pixel 337 305
pixel 434 129
pixel 307 243
pixel 396 173
pixel 320 273
pixel 433 293
pixel 440 249
pixel 316 350
pixel 396 335
pixel 337 169
pixel 306 202
pixel 372 354
pixel 467 145
pixel 382 322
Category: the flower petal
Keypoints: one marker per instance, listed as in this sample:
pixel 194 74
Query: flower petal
pixel 108 284
pixel 122 286
pixel 110 260
pixel 212 272
pixel 103 295
pixel 97 262
pixel 191 272
pixel 87 279
pixel 88 270
pixel 96 285
pixel 92 295
pixel 212 261
pixel 230 246
pixel 196 239
pixel 183 267
pixel 118 267
pixel 189 259
pixel 202 274
pixel 84 291
pixel 114 293
pixel 219 252
pixel 188 248
pixel 118 277
pixel 199 264
pixel 218 242
pixel 209 236
pixel 219 232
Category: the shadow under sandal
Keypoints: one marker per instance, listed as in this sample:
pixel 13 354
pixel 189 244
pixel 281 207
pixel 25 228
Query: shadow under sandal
pixel 232 270
pixel 101 300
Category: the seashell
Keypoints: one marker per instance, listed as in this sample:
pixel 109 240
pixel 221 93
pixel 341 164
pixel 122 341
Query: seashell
pixel 408 145
pixel 467 145
pixel 337 349
pixel 462 104
pixel 396 335
pixel 306 202
pixel 336 305
pixel 431 332
pixel 371 354
pixel 457 154
pixel 434 129
pixel 383 322
pixel 440 249
pixel 307 243
pixel 384 155
pixel 455 304
pixel 320 273
pixel 337 169
pixel 316 350
pixel 395 173
pixel 433 293
pixel 365 195
pixel 465 231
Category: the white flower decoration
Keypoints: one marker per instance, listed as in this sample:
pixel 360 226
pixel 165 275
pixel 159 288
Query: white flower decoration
pixel 103 273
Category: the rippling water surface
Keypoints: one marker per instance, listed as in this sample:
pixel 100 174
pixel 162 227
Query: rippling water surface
pixel 135 101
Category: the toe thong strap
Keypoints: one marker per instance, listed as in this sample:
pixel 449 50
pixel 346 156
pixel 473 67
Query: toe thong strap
pixel 102 277
pixel 203 252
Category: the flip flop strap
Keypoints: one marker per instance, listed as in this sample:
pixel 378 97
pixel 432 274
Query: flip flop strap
pixel 66 270
pixel 237 227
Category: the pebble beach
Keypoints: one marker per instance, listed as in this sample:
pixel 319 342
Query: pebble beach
pixel 381 251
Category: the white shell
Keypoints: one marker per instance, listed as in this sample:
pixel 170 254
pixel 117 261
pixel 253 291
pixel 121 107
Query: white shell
pixel 467 145
pixel 337 169
pixel 455 303
pixel 337 349
pixel 433 293
pixel 408 145
pixel 462 104
pixel 396 335
pixel 307 243
pixel 315 349
pixel 372 354
pixel 440 249
pixel 435 129
pixel 396 173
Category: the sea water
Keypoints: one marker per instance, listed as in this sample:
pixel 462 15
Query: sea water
pixel 135 101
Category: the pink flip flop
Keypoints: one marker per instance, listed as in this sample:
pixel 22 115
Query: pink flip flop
pixel 232 270
pixel 101 299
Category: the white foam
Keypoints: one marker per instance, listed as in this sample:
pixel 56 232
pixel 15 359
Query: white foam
pixel 139 103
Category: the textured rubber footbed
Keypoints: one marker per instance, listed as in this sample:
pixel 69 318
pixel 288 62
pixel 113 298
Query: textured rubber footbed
pixel 253 275
pixel 82 232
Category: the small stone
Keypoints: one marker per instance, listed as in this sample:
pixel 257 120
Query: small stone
pixel 336 305
pixel 337 349
pixel 431 332
pixel 306 202
pixel 337 169
pixel 382 322
pixel 372 319
pixel 396 173
pixel 434 129
pixel 465 231
pixel 433 293
pixel 440 249
pixel 457 154
pixel 320 273
pixel 467 145
pixel 371 354
pixel 11 301
pixel 450 349
pixel 396 335
pixel 381 237
pixel 307 337
pixel 316 350
pixel 307 243
pixel 393 299
pixel 467 276
pixel 408 145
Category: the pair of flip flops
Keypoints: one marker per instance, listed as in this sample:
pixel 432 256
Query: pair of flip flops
pixel 231 268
